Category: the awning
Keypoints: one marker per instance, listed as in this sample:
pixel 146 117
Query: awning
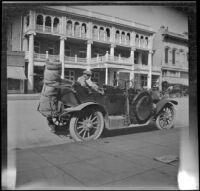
pixel 16 73
pixel 176 81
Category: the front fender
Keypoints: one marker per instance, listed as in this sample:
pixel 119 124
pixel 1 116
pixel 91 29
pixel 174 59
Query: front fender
pixel 82 106
pixel 71 110
pixel 162 103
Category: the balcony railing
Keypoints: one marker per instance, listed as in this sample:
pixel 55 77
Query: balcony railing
pixel 40 56
pixel 47 29
pixel 141 67
pixel 76 33
pixel 156 68
pixel 43 57
pixel 26 54
pixel 98 59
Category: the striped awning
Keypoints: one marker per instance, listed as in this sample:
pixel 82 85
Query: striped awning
pixel 16 73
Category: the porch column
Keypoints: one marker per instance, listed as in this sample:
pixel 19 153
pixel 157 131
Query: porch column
pixel 32 20
pixel 106 75
pixel 150 44
pixel 160 82
pixel 25 44
pixel 112 35
pixel 140 58
pixel 89 49
pixel 44 19
pixel 149 79
pixel 89 30
pixel 31 63
pixel 52 20
pixel 62 55
pixel 112 51
pixel 132 64
pixel 132 40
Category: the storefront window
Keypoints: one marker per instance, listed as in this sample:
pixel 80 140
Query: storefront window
pixel 70 75
pixel 13 84
pixel 144 80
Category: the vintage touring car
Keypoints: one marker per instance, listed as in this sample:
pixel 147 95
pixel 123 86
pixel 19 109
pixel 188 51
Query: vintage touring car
pixel 87 112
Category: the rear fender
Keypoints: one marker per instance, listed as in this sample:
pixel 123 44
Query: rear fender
pixel 161 104
pixel 76 109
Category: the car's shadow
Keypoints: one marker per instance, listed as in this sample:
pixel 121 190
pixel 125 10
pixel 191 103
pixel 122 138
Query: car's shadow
pixel 126 131
pixel 63 132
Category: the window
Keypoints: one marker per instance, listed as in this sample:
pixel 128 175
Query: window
pixel 39 20
pixel 95 77
pixel 166 54
pixel 117 36
pixel 67 51
pixel 77 29
pixel 27 20
pixel 144 80
pixel 36 47
pixel 173 56
pixel 51 49
pixel 13 84
pixel 137 40
pixel 69 27
pixel 70 75
pixel 136 57
pixel 144 58
pixel 95 32
pixel 164 73
pixel 99 51
pixel 82 53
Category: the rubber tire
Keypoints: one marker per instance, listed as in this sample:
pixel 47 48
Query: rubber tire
pixel 158 118
pixel 134 103
pixel 72 127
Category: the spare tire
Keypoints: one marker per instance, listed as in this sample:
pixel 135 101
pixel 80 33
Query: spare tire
pixel 49 91
pixel 53 65
pixel 52 75
pixel 142 106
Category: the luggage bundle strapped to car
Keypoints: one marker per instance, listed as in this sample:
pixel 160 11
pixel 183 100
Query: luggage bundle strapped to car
pixel 48 104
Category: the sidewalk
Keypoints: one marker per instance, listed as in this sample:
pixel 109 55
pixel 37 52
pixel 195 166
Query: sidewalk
pixel 115 162
pixel 35 96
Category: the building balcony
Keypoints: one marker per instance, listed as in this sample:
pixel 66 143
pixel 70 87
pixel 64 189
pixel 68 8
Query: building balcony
pixel 76 34
pixel 176 66
pixel 101 38
pixel 141 67
pixel 156 68
pixel 47 29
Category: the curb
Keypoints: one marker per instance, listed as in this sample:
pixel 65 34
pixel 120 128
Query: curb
pixel 24 97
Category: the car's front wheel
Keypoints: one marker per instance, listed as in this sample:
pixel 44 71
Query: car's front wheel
pixel 86 125
pixel 165 120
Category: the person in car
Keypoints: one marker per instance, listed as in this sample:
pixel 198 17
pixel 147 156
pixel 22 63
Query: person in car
pixel 85 80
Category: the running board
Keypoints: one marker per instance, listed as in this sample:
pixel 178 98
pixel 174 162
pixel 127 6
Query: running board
pixel 118 122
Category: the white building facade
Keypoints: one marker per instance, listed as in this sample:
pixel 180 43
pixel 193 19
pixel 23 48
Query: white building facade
pixel 113 48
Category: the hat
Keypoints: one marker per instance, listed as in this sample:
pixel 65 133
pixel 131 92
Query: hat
pixel 88 72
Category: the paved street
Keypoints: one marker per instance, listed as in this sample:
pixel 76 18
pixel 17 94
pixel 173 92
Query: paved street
pixel 28 128
pixel 121 159
pixel 114 162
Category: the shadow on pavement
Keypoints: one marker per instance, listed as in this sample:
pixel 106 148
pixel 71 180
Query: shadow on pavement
pixel 64 131
pixel 126 131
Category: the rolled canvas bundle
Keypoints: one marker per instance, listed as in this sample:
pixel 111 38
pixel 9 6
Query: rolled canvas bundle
pixel 48 104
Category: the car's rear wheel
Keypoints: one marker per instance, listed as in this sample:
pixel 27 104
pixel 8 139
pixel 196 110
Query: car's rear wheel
pixel 165 120
pixel 86 125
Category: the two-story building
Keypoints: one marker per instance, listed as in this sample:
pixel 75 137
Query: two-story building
pixel 111 47
pixel 171 52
